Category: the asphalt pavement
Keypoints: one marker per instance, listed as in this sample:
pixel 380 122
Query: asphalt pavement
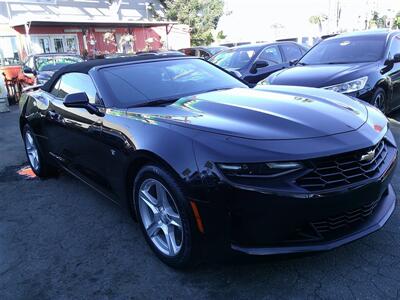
pixel 59 239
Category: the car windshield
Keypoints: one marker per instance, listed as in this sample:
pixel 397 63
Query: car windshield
pixel 137 84
pixel 215 50
pixel 233 58
pixel 346 50
pixel 53 63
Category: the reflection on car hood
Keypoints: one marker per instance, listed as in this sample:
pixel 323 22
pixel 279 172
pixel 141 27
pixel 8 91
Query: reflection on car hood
pixel 271 113
pixel 321 75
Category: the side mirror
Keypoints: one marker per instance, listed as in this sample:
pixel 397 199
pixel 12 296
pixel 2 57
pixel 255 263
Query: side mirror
pixel 80 100
pixel 395 59
pixel 293 62
pixel 258 65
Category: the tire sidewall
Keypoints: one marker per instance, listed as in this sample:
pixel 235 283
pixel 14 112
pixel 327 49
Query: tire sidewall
pixel 186 255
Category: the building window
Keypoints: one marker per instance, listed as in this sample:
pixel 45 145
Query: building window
pixel 8 50
pixel 58 45
pixel 71 44
pixel 45 45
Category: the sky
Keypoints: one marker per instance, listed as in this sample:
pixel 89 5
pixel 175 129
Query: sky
pixel 251 20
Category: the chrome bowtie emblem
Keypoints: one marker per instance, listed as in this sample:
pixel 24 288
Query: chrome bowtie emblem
pixel 369 156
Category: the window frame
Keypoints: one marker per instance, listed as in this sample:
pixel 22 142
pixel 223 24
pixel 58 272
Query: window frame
pixel 389 54
pixel 267 47
pixel 302 52
pixel 98 100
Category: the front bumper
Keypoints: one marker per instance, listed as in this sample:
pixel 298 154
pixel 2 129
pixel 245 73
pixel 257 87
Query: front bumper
pixel 261 223
pixel 377 221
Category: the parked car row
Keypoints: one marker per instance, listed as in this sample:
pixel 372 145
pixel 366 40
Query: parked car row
pixel 207 165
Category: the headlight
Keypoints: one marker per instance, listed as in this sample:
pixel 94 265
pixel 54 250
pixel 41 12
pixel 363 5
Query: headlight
pixel 272 169
pixel 349 86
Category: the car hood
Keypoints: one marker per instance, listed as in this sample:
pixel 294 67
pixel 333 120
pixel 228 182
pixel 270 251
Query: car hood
pixel 321 75
pixel 271 113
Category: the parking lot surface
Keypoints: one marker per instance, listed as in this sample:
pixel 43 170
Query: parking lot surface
pixel 59 239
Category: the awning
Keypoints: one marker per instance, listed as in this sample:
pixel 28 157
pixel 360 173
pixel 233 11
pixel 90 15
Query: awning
pixel 88 22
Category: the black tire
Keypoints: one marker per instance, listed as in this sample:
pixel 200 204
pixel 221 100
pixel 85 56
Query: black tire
pixel 44 169
pixel 189 252
pixel 379 100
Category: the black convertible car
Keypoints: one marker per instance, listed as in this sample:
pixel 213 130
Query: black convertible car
pixel 365 65
pixel 206 164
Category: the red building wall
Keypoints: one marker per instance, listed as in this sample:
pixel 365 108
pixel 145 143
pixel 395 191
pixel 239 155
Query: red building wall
pixel 101 46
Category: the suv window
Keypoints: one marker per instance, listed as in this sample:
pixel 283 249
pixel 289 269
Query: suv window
pixel 291 52
pixel 74 83
pixel 272 55
pixel 395 46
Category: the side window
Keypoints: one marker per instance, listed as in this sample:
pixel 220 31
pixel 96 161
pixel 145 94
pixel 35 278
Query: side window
pixel 291 52
pixel 75 83
pixel 272 55
pixel 204 54
pixel 56 88
pixel 395 46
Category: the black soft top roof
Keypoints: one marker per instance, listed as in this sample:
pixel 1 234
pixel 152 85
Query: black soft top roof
pixel 86 66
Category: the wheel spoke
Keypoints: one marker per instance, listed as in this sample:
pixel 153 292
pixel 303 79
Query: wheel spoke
pixel 174 217
pixel 161 195
pixel 171 241
pixel 150 201
pixel 153 229
pixel 30 139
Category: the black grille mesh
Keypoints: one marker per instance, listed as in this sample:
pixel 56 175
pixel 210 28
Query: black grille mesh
pixel 347 219
pixel 343 170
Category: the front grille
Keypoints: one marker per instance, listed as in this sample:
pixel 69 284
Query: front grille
pixel 347 219
pixel 343 170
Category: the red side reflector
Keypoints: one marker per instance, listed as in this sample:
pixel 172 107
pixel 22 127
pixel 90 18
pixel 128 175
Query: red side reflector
pixel 199 222
pixel 378 128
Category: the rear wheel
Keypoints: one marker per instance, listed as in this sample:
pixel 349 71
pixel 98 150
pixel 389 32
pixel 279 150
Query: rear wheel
pixel 379 100
pixel 165 216
pixel 35 158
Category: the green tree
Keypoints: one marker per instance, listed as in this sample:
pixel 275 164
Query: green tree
pixel 221 35
pixel 202 16
pixel 318 20
pixel 396 23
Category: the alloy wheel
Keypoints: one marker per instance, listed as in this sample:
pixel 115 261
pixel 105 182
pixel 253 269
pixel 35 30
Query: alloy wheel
pixel 160 217
pixel 32 151
pixel 379 102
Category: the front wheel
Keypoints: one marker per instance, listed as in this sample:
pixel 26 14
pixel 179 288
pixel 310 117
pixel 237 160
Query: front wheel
pixel 35 158
pixel 379 100
pixel 165 216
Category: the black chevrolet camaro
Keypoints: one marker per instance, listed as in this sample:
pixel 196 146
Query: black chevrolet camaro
pixel 207 165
